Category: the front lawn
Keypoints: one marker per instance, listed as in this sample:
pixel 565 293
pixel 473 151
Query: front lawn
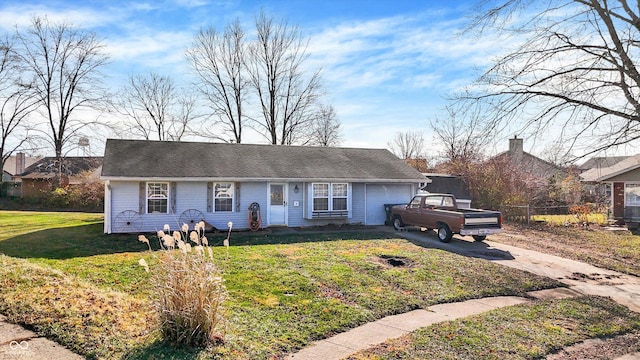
pixel 85 289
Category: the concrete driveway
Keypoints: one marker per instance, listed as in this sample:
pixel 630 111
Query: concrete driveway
pixel 584 278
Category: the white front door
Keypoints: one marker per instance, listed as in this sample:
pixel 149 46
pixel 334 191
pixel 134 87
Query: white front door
pixel 277 204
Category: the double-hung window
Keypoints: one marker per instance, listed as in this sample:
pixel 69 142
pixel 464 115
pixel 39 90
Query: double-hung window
pixel 632 194
pixel 320 197
pixel 330 197
pixel 223 197
pixel 157 197
pixel 339 197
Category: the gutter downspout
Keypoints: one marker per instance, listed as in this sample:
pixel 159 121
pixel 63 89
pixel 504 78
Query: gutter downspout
pixel 107 207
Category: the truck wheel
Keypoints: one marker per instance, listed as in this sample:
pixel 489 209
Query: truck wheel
pixel 397 222
pixel 444 234
pixel 479 237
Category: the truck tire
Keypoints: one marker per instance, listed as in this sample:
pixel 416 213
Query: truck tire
pixel 444 233
pixel 397 222
pixel 479 237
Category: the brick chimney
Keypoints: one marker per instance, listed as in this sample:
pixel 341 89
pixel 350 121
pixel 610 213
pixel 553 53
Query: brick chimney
pixel 20 163
pixel 515 146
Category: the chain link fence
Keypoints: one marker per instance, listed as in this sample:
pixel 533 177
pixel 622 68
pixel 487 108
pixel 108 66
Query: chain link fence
pixel 525 213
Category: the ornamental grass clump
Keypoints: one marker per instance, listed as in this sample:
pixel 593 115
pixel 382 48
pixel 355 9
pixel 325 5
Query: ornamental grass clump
pixel 190 293
pixel 189 290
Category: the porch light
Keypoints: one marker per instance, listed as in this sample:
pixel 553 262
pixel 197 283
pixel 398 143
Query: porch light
pixel 296 189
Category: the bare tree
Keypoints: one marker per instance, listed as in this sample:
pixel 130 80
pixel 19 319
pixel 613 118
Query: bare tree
pixel 15 102
pixel 407 145
pixel 156 108
pixel 462 135
pixel 325 130
pixel 64 63
pixel 576 75
pixel 286 95
pixel 218 61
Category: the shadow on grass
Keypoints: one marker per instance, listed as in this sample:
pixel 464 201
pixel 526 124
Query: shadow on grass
pixel 69 242
pixel 89 240
pixel 293 235
pixel 162 350
pixel 476 249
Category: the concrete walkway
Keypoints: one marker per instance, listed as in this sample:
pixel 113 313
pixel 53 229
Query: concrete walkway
pixel 588 279
pixel 368 335
pixel 582 279
pixel 17 343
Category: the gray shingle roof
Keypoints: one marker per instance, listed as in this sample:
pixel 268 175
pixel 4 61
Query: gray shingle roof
pixel 621 167
pixel 46 167
pixel 601 162
pixel 154 159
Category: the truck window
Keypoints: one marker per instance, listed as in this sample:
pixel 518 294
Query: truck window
pixel 415 203
pixel 447 201
pixel 433 201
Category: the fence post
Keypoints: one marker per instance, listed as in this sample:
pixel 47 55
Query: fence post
pixel 528 215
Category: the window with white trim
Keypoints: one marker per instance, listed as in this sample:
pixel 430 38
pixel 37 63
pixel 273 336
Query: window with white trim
pixel 223 197
pixel 320 197
pixel 632 194
pixel 330 197
pixel 339 197
pixel 157 197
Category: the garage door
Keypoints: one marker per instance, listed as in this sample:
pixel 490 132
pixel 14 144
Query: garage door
pixel 379 194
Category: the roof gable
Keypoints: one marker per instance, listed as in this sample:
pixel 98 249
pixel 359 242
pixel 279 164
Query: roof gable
pixel 621 167
pixel 155 159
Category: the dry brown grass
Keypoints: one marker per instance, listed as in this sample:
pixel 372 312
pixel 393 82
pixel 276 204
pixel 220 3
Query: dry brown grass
pixel 619 250
pixel 71 310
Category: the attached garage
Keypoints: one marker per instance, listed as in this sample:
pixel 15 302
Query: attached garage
pixel 377 195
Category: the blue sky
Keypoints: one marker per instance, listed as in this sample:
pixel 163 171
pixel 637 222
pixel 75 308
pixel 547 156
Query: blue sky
pixel 386 65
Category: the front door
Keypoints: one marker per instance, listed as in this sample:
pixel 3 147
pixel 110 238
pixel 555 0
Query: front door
pixel 618 200
pixel 277 204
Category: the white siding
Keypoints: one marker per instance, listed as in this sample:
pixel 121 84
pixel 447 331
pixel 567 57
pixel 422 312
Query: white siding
pixel 124 196
pixel 191 195
pixel 379 194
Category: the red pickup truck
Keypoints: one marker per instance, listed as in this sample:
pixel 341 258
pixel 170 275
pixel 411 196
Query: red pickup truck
pixel 440 211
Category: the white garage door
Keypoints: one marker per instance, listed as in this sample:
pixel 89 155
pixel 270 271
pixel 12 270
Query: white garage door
pixel 379 194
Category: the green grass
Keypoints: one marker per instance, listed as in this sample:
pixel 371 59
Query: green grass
pixel 526 331
pixel 67 280
pixel 15 223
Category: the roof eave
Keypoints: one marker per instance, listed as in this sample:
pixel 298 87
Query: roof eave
pixel 616 173
pixel 229 179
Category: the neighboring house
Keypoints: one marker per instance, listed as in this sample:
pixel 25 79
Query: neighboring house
pixel 531 164
pixel 624 180
pixel 40 176
pixel 151 183
pixel 598 191
pixel 15 165
pixel 449 184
